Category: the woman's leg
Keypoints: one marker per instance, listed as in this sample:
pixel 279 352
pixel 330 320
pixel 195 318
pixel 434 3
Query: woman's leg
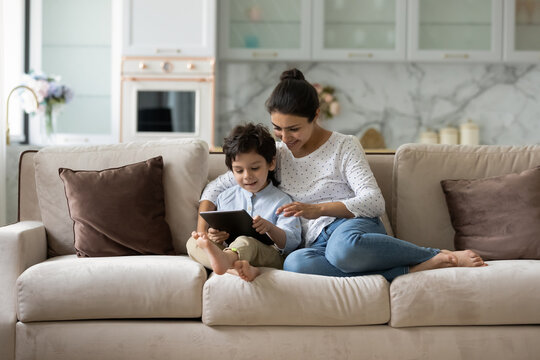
pixel 360 245
pixel 312 260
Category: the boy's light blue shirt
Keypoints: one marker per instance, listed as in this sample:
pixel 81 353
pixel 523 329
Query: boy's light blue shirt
pixel 264 203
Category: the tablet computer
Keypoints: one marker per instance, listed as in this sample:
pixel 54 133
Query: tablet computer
pixel 236 223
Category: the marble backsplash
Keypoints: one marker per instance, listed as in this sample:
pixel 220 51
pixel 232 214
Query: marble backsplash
pixel 398 99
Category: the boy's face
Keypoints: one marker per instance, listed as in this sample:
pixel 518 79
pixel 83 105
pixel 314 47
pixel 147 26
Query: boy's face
pixel 251 171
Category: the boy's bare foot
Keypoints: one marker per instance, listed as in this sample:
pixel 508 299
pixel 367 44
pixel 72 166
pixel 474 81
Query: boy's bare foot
pixel 220 260
pixel 441 260
pixel 466 258
pixel 245 270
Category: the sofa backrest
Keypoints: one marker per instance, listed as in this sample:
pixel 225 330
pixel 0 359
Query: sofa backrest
pixel 419 211
pixel 184 177
pixel 381 165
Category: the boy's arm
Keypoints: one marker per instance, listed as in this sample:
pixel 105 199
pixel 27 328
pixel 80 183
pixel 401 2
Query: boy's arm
pixel 263 226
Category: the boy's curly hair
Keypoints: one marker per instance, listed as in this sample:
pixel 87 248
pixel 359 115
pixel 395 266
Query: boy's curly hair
pixel 248 138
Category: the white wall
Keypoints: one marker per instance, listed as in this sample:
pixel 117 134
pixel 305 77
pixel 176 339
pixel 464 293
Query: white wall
pixel 11 68
pixel 2 123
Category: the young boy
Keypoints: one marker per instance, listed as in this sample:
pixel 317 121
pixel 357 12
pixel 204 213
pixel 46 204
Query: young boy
pixel 250 153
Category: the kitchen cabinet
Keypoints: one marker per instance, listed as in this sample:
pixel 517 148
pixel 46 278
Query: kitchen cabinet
pixel 457 30
pixel 265 30
pixel 169 28
pixel 359 30
pixel 522 30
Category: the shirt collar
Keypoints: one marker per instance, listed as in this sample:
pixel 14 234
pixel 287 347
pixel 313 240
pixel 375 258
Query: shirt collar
pixel 249 194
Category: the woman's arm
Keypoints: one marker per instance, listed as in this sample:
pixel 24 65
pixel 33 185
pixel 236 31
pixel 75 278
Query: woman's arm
pixel 368 200
pixel 313 211
pixel 208 203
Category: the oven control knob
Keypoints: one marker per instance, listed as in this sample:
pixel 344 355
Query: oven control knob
pixel 142 65
pixel 190 66
pixel 166 66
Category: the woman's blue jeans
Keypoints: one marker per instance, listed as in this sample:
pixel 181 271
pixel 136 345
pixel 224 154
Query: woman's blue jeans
pixel 354 247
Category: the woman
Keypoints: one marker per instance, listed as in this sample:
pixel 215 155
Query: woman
pixel 335 195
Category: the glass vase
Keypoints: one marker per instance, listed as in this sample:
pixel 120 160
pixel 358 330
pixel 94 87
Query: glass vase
pixel 47 126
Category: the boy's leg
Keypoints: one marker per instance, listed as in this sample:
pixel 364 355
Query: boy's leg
pixel 198 254
pixel 257 253
pixel 252 254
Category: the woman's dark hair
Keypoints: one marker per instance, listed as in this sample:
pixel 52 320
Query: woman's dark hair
pixel 248 138
pixel 294 96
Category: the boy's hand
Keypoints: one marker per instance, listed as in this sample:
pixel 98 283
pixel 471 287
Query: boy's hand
pixel 261 225
pixel 217 236
pixel 197 234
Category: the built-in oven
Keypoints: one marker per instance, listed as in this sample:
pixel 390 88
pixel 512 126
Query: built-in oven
pixel 167 97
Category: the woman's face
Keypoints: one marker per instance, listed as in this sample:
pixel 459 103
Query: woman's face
pixel 294 131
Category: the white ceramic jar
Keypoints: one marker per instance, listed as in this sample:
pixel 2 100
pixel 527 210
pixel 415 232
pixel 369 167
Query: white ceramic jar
pixel 469 133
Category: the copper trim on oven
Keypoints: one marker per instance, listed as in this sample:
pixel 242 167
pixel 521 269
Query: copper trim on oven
pixel 183 79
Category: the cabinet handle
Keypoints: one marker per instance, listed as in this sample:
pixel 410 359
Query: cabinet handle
pixel 360 55
pixel 456 56
pixel 264 54
pixel 177 51
pixel 142 65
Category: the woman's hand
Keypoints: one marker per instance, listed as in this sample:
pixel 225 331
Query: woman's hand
pixel 308 211
pixel 261 225
pixel 217 236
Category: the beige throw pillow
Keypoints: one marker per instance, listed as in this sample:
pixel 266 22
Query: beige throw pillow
pixel 498 217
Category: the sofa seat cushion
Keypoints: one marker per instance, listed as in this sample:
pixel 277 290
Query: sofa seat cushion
pixel 503 293
pixel 278 297
pixel 71 288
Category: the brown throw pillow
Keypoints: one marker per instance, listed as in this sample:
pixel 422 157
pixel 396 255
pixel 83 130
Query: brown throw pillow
pixel 118 211
pixel 498 217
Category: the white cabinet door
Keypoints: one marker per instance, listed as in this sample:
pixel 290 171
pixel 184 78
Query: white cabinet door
pixel 359 30
pixel 169 27
pixel 456 30
pixel 522 30
pixel 265 30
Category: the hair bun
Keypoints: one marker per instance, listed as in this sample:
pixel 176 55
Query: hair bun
pixel 293 74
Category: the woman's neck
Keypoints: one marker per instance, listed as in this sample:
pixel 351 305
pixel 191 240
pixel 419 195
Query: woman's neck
pixel 317 139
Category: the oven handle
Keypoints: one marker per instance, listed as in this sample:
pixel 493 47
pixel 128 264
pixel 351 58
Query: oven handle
pixel 130 78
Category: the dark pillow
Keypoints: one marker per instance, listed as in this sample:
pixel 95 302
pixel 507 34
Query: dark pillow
pixel 118 211
pixel 498 217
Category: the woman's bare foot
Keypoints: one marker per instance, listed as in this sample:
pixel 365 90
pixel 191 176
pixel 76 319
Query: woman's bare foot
pixel 441 260
pixel 220 260
pixel 245 270
pixel 466 258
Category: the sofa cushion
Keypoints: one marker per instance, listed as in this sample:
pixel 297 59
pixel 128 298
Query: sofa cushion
pixel 497 217
pixel 420 214
pixel 71 288
pixel 279 297
pixel 184 176
pixel 119 211
pixel 504 292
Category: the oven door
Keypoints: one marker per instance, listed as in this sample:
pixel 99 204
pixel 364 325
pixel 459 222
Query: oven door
pixel 157 108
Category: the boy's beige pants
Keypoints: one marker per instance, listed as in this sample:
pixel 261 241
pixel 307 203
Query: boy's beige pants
pixel 248 248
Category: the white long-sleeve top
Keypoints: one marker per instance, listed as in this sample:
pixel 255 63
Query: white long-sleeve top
pixel 337 171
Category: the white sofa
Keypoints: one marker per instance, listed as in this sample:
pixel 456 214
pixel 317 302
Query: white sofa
pixel 167 307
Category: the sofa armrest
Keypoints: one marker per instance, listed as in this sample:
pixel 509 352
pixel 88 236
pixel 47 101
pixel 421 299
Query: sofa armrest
pixel 21 245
